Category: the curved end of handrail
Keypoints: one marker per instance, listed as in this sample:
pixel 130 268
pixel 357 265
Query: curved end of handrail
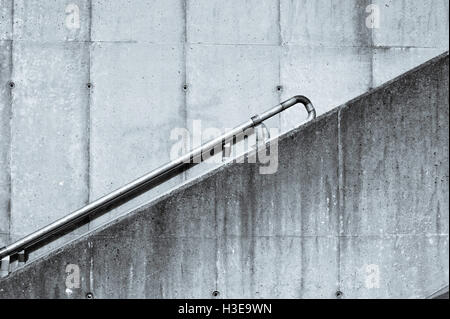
pixel 303 100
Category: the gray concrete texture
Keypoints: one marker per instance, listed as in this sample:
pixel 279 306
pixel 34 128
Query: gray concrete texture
pixel 361 191
pixel 63 145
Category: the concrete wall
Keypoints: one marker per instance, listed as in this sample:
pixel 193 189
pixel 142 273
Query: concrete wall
pixel 360 192
pixel 63 144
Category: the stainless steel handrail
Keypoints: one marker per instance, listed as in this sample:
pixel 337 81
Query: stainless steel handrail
pixel 119 194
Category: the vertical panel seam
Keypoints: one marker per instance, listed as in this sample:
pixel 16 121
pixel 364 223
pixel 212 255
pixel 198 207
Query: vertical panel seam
pixel 184 110
pixel 371 48
pixel 10 111
pixel 340 198
pixel 217 237
pixel 88 110
pixel 280 52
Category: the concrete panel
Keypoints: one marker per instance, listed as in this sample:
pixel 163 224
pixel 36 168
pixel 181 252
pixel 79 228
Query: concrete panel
pixel 6 19
pixel 294 254
pixel 49 278
pixel 228 85
pixel 49 133
pixel 51 21
pixel 233 21
pixel 154 21
pixel 330 23
pixel 5 140
pixel 277 267
pixel 303 197
pixel 413 24
pixel 154 267
pixel 264 256
pixel 159 252
pixel 136 101
pixel 395 153
pixel 393 266
pixel 328 76
pixel 389 63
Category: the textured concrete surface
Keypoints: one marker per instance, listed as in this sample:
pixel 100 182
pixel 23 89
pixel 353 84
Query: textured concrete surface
pixel 148 21
pixel 236 78
pixel 328 23
pixel 49 142
pixel 45 21
pixel 395 184
pixel 6 20
pixel 422 24
pixel 139 54
pixel 331 77
pixel 360 191
pixel 129 126
pixel 385 64
pixel 233 22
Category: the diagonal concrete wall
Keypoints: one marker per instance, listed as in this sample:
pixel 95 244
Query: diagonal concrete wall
pixel 63 145
pixel 359 205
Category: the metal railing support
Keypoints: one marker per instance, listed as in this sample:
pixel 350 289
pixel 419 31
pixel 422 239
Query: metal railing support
pixel 4 266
